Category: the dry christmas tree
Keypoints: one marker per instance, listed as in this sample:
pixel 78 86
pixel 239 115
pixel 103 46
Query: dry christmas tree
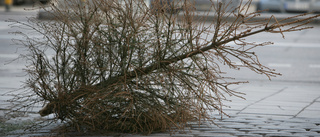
pixel 125 66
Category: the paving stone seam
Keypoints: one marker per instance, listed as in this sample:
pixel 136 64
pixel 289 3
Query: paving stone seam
pixel 315 100
pixel 262 99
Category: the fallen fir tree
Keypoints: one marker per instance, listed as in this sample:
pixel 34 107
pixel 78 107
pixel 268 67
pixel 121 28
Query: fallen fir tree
pixel 122 66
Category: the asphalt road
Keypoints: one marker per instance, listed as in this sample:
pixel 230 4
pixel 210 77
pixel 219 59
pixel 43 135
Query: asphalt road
pixel 297 56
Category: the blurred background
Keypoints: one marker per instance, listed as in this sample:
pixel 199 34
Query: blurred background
pixel 296 57
pixel 280 6
pixel 24 2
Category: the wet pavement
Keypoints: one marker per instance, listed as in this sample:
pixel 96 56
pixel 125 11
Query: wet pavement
pixel 271 109
pixel 280 108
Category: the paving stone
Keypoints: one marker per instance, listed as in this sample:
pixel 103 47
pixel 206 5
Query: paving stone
pixel 315 130
pixel 223 129
pixel 198 126
pixel 315 121
pixel 4 99
pixel 270 127
pixel 229 123
pixel 293 131
pixel 236 120
pixel 203 129
pixel 263 132
pixel 182 135
pixel 132 136
pixel 313 134
pixel 159 135
pixel 273 117
pixel 243 121
pixel 35 135
pixel 277 120
pixel 197 123
pixel 257 123
pixel 186 131
pixel 250 130
pixel 306 126
pixel 290 125
pixel 5 106
pixel 296 120
pixel 263 120
pixel 247 135
pixel 266 111
pixel 238 126
pixel 314 106
pixel 215 135
pixel 281 135
pixel 309 114
pixel 194 131
pixel 224 132
pixel 253 118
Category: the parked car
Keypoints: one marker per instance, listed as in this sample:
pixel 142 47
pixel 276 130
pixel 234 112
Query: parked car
pixel 200 5
pixel 21 2
pixel 167 5
pixel 289 5
pixel 271 5
pixel 297 5
pixel 18 2
pixel 206 4
pixel 315 6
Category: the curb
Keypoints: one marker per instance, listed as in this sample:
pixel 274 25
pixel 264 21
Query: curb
pixel 44 15
pixel 211 16
pixel 280 17
pixel 201 14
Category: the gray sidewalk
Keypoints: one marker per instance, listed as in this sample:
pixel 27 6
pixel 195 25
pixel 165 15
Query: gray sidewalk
pixel 270 109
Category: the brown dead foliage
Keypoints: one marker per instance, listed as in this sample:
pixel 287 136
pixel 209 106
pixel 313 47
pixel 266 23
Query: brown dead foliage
pixel 118 66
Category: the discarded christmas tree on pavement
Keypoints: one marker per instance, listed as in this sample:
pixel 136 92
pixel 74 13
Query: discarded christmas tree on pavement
pixel 123 66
